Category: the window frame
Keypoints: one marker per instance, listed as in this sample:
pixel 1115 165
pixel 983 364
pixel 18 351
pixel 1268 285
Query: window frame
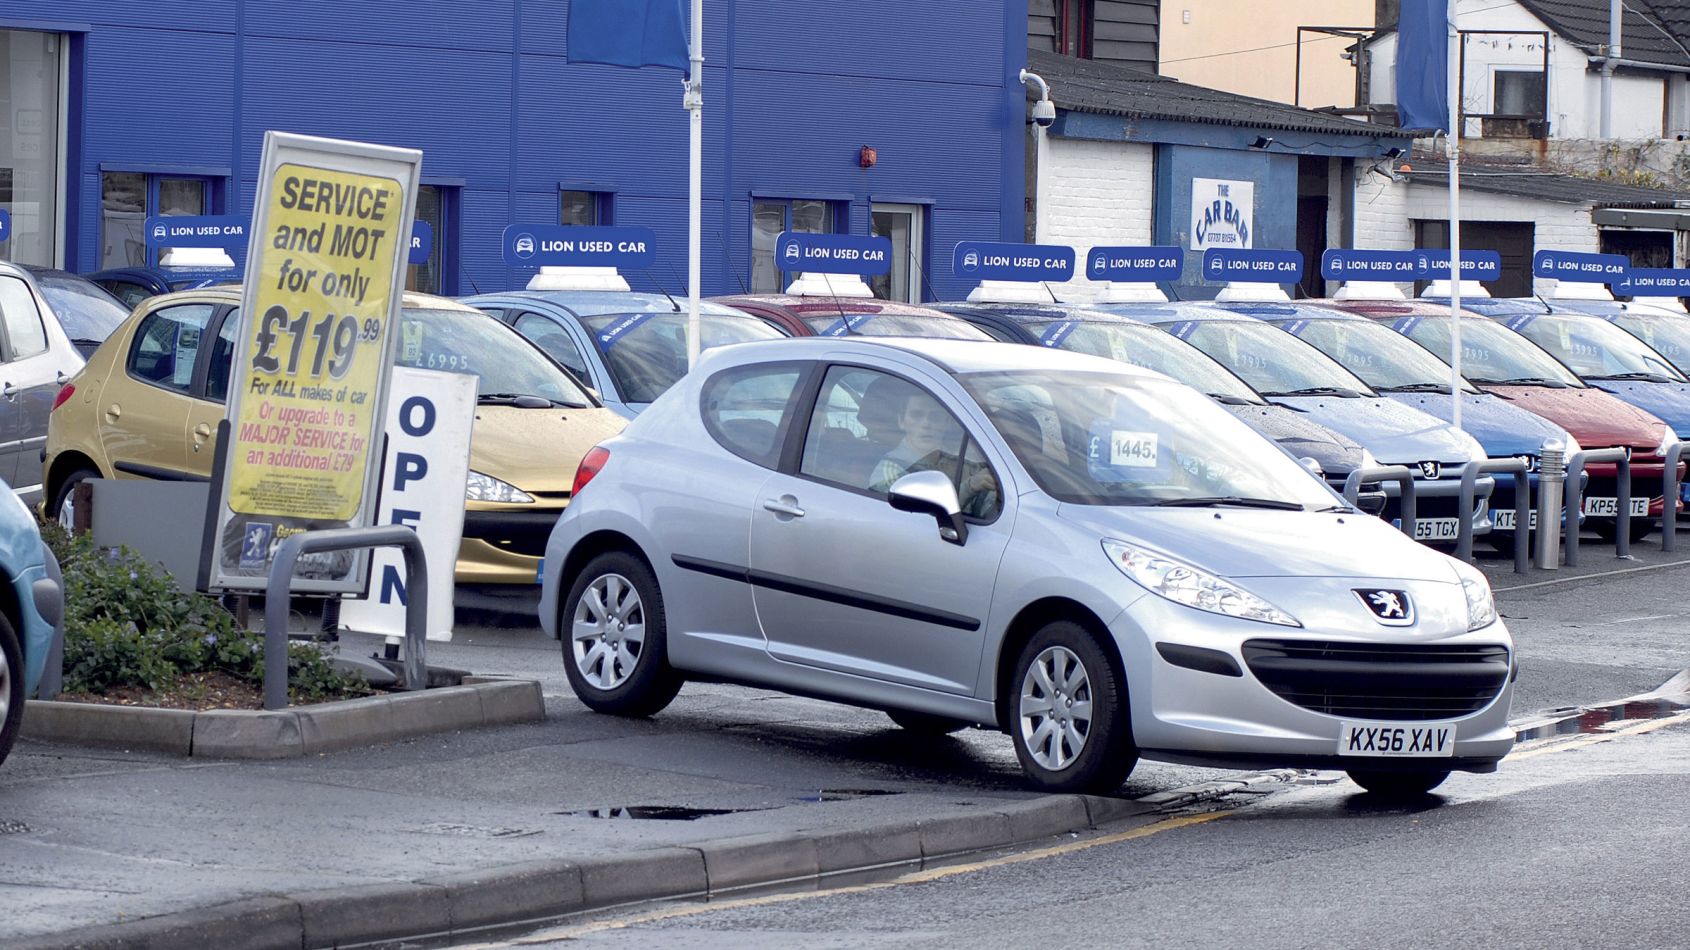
pixel 214 184
pixel 196 382
pixel 831 206
pixel 8 347
pixel 917 261
pixel 801 391
pixel 603 201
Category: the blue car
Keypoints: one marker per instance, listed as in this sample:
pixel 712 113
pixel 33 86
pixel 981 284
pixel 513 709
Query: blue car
pixel 27 617
pixel 1666 333
pixel 131 285
pixel 1109 335
pixel 1294 374
pixel 1403 370
pixel 87 313
pixel 630 347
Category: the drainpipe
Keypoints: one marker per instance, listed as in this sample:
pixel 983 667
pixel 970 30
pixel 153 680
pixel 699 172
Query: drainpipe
pixel 1612 54
pixel 1044 114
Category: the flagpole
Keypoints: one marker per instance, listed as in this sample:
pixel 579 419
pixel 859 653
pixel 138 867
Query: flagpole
pixel 693 101
pixel 1452 142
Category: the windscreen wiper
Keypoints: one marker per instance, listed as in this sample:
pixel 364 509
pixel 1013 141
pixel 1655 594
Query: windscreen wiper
pixel 520 400
pixel 1319 391
pixel 1637 377
pixel 1533 381
pixel 1213 501
pixel 1416 388
pixel 1226 399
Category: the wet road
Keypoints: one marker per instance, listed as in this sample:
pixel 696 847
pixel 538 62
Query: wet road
pixel 1575 843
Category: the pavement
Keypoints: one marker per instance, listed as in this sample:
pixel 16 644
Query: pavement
pixel 729 788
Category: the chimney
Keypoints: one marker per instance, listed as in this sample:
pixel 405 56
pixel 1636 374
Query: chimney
pixel 1385 14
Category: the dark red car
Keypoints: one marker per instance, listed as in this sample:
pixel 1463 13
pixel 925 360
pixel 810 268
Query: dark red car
pixel 852 316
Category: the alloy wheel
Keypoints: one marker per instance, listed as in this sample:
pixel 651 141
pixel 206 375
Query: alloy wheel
pixel 609 631
pixel 1055 708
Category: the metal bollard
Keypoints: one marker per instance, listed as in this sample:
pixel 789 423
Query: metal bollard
pixel 1575 498
pixel 1522 507
pixel 1551 479
pixel 1669 497
pixel 1400 474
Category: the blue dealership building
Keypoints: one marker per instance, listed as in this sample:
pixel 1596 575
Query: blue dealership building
pixel 907 120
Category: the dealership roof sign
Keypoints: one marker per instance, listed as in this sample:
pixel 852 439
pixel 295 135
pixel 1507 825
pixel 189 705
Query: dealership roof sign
pixel 199 230
pixel 833 253
pixel 1580 267
pixel 1252 267
pixel 564 245
pixel 1135 264
pixel 981 260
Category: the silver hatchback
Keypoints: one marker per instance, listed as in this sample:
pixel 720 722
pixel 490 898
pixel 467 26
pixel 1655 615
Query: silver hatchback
pixel 1093 558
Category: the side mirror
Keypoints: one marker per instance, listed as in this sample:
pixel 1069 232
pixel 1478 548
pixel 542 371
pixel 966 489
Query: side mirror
pixel 931 493
pixel 1313 467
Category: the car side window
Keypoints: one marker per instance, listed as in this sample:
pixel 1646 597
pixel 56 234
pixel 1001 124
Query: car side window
pixel 167 343
pixel 24 330
pixel 744 409
pixel 548 336
pixel 999 335
pixel 870 429
pixel 130 294
pixel 222 361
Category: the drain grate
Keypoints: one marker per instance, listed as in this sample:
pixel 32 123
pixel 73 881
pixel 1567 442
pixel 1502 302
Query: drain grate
pixel 654 812
pixel 13 827
pixel 474 831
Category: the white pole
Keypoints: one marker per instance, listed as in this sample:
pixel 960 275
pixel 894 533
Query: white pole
pixel 1452 142
pixel 694 103
pixel 1613 53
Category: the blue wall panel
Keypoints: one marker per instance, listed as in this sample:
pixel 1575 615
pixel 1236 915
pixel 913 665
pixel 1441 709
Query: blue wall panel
pixel 1275 215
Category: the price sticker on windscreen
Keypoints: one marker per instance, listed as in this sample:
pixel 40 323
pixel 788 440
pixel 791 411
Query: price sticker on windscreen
pixel 1132 449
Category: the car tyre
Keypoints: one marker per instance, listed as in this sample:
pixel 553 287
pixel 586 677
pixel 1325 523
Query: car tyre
pixel 615 649
pixel 925 724
pixel 61 510
pixel 11 686
pixel 1398 784
pixel 1068 715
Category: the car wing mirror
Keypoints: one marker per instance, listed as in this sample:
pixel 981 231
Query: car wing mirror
pixel 931 493
pixel 1313 467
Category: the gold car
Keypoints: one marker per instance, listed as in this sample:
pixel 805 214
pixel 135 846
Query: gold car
pixel 148 403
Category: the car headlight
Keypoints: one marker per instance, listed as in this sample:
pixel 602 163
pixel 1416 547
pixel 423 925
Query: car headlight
pixel 481 487
pixel 1182 583
pixel 1367 460
pixel 1668 437
pixel 1481 606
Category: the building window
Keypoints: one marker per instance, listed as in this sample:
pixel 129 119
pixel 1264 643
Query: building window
pixel 1520 94
pixel 31 65
pixel 1061 26
pixel 583 207
pixel 769 218
pixel 127 199
pixel 437 274
pixel 902 224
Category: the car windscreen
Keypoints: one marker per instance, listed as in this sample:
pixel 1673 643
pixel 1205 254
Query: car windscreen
pixel 1594 348
pixel 894 324
pixel 507 367
pixel 1379 355
pixel 1269 359
pixel 1490 353
pixel 1668 336
pixel 647 352
pixel 1148 347
pixel 1113 439
pixel 86 311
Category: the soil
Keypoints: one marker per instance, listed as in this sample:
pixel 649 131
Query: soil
pixel 196 691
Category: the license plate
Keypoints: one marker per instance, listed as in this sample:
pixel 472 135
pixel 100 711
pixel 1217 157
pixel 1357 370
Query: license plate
pixel 1397 741
pixel 1503 520
pixel 1432 529
pixel 1609 507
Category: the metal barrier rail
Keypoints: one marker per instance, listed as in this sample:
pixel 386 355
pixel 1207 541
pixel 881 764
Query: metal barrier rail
pixel 1575 500
pixel 1401 474
pixel 342 539
pixel 1522 508
pixel 1669 497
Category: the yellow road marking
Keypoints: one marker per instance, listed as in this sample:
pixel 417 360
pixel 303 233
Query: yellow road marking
pixel 1595 738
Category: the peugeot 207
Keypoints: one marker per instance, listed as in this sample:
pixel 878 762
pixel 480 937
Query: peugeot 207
pixel 1093 558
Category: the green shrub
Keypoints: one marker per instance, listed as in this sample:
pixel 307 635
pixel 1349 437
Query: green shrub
pixel 126 625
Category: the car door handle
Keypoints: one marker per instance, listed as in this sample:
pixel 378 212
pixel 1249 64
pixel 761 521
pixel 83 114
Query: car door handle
pixel 202 432
pixel 114 412
pixel 786 505
pixel 9 391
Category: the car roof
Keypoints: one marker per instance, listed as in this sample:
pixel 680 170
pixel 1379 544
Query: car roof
pixel 954 356
pixel 1294 310
pixel 231 294
pixel 592 302
pixel 822 306
pixel 1035 312
pixel 1178 311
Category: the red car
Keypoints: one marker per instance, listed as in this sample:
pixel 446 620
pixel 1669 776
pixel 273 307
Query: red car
pixel 852 316
pixel 1500 361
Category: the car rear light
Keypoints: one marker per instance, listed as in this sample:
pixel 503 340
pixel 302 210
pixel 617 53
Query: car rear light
pixel 590 465
pixel 65 392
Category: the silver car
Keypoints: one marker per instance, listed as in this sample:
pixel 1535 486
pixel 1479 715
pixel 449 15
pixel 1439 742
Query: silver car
pixel 1091 557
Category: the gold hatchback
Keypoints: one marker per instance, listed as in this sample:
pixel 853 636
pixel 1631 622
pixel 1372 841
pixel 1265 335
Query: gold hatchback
pixel 148 403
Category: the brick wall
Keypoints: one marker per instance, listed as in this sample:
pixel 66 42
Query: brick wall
pixel 1100 193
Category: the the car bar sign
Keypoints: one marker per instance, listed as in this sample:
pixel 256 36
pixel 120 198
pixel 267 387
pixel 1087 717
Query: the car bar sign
pixel 318 326
pixel 422 242
pixel 200 230
pixel 1352 264
pixel 1655 282
pixel 564 245
pixel 833 253
pixel 1252 267
pixel 981 260
pixel 1584 268
pixel 1135 264
pixel 1475 265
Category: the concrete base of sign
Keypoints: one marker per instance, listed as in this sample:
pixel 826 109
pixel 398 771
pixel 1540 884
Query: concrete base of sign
pixel 1580 290
pixel 1469 288
pixel 829 285
pixel 1011 291
pixel 292 732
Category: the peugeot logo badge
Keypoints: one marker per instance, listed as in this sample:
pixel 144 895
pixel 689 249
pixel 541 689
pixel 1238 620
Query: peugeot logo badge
pixel 1390 607
pixel 1431 469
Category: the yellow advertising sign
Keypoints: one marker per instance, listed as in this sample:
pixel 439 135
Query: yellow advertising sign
pixel 316 335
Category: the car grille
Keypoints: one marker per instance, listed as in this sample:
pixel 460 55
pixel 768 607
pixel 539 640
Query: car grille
pixel 1380 681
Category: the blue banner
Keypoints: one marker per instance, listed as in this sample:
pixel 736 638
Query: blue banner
pixel 983 260
pixel 833 253
pixel 1655 282
pixel 422 242
pixel 568 245
pixel 627 33
pixel 1585 268
pixel 1252 267
pixel 5 225
pixel 1423 65
pixel 621 328
pixel 1135 264
pixel 1352 264
pixel 845 326
pixel 1475 265
pixel 199 230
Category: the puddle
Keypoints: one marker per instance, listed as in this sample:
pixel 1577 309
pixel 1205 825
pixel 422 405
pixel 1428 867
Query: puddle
pixel 1601 718
pixel 474 831
pixel 654 812
pixel 845 794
